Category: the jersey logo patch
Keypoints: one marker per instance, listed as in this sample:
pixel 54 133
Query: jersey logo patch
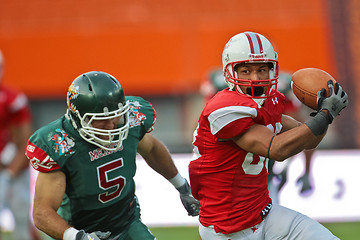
pixel 39 159
pixel 47 163
pixel 266 210
pixel 63 142
pixel 136 118
pixel 275 100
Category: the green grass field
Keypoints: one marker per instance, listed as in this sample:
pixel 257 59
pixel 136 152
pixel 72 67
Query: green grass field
pixel 176 233
pixel 343 230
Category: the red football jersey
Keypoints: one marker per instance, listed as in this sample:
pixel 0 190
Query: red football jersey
pixel 230 183
pixel 14 110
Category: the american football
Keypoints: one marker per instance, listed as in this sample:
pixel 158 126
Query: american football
pixel 306 82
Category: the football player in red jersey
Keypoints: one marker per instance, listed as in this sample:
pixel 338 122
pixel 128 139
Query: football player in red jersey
pixel 15 129
pixel 239 129
pixel 214 82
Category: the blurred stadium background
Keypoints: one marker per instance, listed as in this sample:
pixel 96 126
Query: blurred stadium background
pixel 163 50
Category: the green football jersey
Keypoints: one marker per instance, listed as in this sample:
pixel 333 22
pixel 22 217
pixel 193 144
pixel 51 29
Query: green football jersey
pixel 100 189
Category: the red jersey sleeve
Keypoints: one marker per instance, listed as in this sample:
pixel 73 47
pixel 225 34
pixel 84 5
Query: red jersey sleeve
pixel 229 115
pixel 39 160
pixel 19 109
pixel 227 123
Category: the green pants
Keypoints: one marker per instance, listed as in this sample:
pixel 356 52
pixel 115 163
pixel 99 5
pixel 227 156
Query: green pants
pixel 135 230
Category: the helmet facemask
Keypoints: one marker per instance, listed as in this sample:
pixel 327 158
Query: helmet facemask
pixel 257 89
pixel 107 139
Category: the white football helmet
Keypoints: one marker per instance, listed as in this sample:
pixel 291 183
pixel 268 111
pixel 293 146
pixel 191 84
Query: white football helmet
pixel 252 48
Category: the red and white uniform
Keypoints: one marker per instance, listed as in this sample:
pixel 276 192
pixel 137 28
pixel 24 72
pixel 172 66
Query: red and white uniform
pixel 230 183
pixel 14 110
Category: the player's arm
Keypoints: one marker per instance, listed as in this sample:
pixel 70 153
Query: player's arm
pixel 288 123
pixel 158 158
pixel 260 140
pixel 49 192
pixel 19 135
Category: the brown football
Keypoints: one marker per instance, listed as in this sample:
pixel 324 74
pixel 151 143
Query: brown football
pixel 306 82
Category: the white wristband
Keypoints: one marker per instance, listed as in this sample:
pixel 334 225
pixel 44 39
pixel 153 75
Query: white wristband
pixel 70 234
pixel 177 181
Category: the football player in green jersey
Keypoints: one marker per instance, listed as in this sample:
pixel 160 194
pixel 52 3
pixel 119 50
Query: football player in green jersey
pixel 86 161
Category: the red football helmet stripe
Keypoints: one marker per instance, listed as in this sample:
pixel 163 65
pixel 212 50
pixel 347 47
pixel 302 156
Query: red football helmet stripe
pixel 257 44
pixel 250 42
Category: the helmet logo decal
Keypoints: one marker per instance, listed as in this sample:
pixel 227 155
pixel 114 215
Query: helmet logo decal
pixel 63 143
pixel 72 93
pixel 136 118
pixel 258 56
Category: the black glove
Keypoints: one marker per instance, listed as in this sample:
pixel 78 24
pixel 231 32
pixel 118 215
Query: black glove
pixel 191 205
pixel 82 235
pixel 335 102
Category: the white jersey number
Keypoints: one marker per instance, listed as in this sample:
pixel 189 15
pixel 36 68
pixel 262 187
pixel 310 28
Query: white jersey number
pixel 253 164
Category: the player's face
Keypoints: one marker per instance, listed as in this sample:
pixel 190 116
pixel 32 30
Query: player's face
pixel 253 71
pixel 108 124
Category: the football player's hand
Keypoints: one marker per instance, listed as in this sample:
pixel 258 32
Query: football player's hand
pixel 335 102
pixel 82 235
pixel 191 205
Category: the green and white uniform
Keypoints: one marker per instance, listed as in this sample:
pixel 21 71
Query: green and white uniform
pixel 99 183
